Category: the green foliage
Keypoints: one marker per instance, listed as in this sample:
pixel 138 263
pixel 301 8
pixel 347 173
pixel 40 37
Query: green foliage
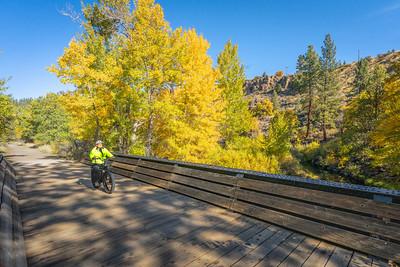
pixel 44 120
pixel 307 80
pixel 328 101
pixel 362 76
pixel 363 111
pixel 275 100
pixel 309 151
pixel 280 134
pixel 238 120
pixel 6 112
pixel 317 81
pixel 278 88
pixel 368 149
pixel 97 19
pixel 22 126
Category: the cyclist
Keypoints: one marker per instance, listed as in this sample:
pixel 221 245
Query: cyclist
pixel 97 156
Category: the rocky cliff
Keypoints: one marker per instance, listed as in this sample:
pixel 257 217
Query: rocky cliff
pixel 262 87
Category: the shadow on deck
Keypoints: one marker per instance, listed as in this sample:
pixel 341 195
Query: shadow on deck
pixel 68 223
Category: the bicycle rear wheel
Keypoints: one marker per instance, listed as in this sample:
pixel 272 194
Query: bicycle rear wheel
pixel 108 182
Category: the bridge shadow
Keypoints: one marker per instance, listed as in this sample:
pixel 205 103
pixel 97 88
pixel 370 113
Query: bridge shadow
pixel 68 223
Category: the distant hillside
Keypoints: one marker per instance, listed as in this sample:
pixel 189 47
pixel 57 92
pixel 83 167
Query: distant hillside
pixel 262 87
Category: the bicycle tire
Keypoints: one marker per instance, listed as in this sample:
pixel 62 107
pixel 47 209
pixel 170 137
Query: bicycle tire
pixel 108 182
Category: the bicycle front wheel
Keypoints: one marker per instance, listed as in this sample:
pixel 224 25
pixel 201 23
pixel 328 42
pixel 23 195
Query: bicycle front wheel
pixel 108 182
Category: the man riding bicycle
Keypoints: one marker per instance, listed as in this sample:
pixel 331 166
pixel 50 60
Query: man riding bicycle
pixel 97 156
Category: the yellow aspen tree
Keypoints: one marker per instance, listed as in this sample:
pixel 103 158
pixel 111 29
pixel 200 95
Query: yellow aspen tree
pixel 148 57
pixel 190 114
pixel 386 135
pixel 91 69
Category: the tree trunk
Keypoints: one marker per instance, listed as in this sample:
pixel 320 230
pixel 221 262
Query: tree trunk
pixel 149 137
pixel 150 126
pixel 324 129
pixel 309 116
pixel 324 103
pixel 97 130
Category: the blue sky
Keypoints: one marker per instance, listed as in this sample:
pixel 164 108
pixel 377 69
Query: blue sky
pixel 270 34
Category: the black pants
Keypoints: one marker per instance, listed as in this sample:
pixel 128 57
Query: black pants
pixel 95 172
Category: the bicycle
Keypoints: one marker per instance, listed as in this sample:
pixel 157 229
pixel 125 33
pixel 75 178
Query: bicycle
pixel 105 178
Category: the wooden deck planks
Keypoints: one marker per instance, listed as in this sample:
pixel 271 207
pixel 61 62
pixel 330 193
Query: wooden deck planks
pixel 238 253
pixel 101 245
pixel 281 252
pixel 379 263
pixel 136 244
pixel 359 259
pixel 301 253
pixel 66 223
pixel 339 257
pixel 97 238
pixel 220 251
pixel 256 255
pixel 171 250
pixel 320 255
pixel 209 240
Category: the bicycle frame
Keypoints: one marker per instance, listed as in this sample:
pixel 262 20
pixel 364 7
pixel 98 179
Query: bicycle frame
pixel 103 168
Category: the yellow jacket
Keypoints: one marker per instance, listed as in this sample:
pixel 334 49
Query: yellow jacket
pixel 99 155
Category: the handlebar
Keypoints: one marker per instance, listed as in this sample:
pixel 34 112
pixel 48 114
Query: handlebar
pixel 105 163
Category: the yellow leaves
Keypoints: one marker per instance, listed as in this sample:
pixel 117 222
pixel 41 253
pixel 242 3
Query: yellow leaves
pixel 279 74
pixel 247 153
pixel 148 14
pixel 189 115
pixel 73 63
pixel 264 108
pixel 386 136
pixel 153 89
pixel 148 48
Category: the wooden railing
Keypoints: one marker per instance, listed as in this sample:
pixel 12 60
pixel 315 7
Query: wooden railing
pixel 12 248
pixel 365 219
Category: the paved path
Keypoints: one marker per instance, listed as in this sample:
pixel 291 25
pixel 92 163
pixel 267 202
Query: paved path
pixel 67 223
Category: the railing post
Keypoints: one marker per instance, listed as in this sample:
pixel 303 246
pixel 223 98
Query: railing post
pixel 383 199
pixel 133 172
pixel 170 177
pixel 235 188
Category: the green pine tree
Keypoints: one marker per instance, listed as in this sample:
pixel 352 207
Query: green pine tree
pixel 278 87
pixel 375 90
pixel 307 80
pixel 328 91
pixel 276 101
pixel 362 76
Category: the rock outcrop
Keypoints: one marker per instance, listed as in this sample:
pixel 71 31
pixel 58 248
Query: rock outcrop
pixel 262 87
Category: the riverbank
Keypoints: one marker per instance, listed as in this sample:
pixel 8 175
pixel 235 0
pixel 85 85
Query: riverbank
pixel 318 172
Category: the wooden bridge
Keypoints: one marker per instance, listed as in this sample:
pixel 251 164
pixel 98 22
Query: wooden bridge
pixel 167 213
